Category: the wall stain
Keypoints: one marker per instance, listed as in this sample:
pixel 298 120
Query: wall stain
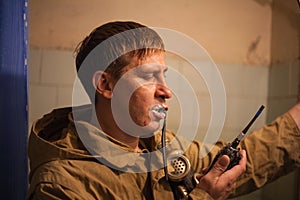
pixel 253 57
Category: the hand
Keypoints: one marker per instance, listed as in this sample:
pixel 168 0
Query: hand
pixel 218 183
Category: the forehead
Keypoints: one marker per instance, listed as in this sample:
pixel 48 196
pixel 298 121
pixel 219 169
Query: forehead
pixel 155 60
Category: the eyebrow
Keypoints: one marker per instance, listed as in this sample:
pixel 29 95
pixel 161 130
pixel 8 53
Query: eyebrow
pixel 153 67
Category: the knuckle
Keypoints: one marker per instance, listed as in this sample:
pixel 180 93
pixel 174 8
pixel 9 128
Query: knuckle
pixel 218 168
pixel 243 168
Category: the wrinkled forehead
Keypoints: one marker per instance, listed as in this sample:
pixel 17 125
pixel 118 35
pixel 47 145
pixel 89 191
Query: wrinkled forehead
pixel 150 60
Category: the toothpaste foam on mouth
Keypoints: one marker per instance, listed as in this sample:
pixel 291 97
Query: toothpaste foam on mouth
pixel 159 111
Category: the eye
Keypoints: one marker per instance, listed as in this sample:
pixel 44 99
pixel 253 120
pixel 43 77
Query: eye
pixel 148 76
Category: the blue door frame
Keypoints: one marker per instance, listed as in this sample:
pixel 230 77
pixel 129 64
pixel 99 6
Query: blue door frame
pixel 13 98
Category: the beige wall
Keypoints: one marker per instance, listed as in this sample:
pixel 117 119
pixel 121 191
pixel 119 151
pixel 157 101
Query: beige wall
pixel 233 31
pixel 285 42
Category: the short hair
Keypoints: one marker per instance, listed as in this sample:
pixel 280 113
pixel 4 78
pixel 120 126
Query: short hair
pixel 130 39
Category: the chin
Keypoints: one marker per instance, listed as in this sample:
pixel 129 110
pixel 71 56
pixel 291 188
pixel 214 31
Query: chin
pixel 150 129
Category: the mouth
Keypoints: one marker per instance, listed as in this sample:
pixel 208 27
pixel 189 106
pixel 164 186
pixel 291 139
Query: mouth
pixel 159 111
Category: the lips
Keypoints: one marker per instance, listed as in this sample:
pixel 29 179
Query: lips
pixel 159 111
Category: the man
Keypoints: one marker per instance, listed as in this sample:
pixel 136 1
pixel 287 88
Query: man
pixel 113 148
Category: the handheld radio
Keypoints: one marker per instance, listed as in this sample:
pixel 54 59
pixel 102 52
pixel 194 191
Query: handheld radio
pixel 231 149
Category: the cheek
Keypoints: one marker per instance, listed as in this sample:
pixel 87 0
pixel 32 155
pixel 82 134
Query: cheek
pixel 143 96
pixel 140 103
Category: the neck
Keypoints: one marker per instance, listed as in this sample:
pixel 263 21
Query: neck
pixel 109 126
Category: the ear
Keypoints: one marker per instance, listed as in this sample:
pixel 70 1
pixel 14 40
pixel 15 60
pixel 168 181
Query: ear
pixel 102 82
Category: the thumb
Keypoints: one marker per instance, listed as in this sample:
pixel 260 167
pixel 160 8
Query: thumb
pixel 220 166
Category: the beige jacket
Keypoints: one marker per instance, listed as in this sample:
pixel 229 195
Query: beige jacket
pixel 61 167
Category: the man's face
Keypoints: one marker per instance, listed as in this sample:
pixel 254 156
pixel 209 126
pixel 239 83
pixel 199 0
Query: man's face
pixel 140 92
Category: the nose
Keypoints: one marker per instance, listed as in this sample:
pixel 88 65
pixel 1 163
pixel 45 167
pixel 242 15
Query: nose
pixel 163 92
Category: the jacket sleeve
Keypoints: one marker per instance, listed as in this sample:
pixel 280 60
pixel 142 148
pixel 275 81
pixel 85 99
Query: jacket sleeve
pixel 272 151
pixel 52 191
pixel 199 194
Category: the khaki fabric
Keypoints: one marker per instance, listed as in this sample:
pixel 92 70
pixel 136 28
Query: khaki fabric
pixel 61 167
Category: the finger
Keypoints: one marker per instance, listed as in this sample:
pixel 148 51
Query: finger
pixel 220 166
pixel 243 160
pixel 230 186
pixel 204 170
pixel 239 169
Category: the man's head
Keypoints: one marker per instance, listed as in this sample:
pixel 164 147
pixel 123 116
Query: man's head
pixel 125 60
pixel 118 43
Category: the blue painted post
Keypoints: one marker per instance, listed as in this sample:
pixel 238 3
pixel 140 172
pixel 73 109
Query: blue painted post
pixel 13 98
